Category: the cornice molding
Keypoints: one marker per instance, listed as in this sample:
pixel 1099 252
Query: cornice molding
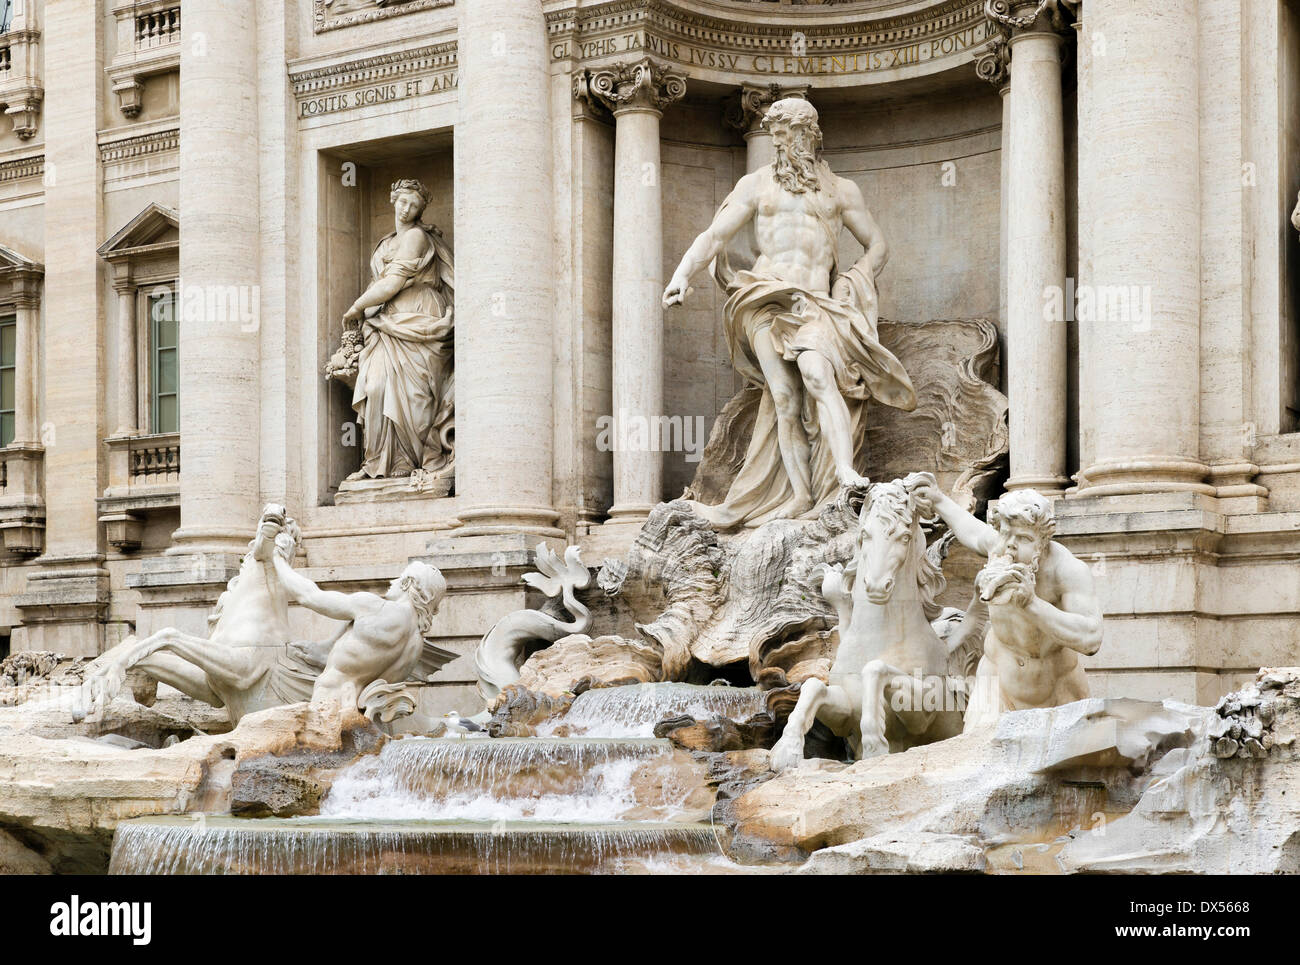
pixel 833 34
pixel 376 68
pixel 139 145
pixel 838 47
pixel 20 168
pixel 323 21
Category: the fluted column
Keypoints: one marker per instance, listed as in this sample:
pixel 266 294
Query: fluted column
pixel 505 271
pixel 219 284
pixel 1140 348
pixel 637 94
pixel 128 406
pixel 746 114
pixel 1035 250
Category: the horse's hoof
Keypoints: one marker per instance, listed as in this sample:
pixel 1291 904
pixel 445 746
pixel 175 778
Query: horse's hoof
pixel 785 758
pixel 874 748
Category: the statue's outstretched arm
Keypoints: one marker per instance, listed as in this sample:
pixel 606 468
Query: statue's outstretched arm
pixel 328 603
pixel 972 533
pixel 734 214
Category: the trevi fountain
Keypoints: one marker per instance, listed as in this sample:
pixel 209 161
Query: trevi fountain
pixel 409 564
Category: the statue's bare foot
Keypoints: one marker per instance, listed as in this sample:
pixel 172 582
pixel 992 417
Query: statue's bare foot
pixel 359 474
pixel 802 504
pixel 850 479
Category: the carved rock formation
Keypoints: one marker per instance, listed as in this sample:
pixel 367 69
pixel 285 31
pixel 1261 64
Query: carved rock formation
pixel 756 598
pixel 1257 718
pixel 555 669
pixel 716 734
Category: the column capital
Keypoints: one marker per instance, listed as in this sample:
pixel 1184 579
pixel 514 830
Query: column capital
pixel 746 108
pixel 641 86
pixel 1013 20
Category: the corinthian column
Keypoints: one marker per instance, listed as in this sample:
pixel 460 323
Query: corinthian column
pixel 746 114
pixel 637 94
pixel 1140 345
pixel 219 292
pixel 505 270
pixel 1034 259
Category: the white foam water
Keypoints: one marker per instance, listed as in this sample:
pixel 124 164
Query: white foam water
pixel 633 711
pixel 554 780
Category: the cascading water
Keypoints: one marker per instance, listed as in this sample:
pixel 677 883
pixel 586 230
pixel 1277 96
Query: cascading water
pixel 180 845
pixel 613 800
pixel 512 779
pixel 633 711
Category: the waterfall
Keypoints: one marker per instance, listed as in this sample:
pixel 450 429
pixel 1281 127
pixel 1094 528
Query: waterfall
pixel 634 710
pixel 578 780
pixel 320 846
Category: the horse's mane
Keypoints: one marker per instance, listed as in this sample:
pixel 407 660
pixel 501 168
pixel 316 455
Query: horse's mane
pixel 896 504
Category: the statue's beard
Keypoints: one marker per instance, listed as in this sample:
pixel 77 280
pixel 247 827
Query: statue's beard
pixel 796 167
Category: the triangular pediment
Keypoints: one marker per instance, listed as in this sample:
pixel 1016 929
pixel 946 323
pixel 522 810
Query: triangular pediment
pixel 10 259
pixel 154 227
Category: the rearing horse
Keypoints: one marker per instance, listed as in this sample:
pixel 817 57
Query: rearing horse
pixel 889 683
pixel 245 664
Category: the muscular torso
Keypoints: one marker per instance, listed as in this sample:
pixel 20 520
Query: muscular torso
pixel 794 241
pixel 1033 669
pixel 381 645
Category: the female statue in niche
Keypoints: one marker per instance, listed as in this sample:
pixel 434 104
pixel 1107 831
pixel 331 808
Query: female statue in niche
pixel 403 390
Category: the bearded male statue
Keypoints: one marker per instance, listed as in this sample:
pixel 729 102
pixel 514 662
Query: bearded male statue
pixel 1042 605
pixel 797 325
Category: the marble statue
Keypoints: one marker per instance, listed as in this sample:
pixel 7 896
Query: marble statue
pixel 1295 214
pixel 398 359
pixel 502 650
pixel 797 324
pixel 383 639
pixel 889 686
pixel 249 661
pixel 1043 610
pixel 244 664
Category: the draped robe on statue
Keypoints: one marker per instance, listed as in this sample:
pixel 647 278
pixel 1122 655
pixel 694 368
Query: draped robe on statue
pixel 404 388
pixel 844 333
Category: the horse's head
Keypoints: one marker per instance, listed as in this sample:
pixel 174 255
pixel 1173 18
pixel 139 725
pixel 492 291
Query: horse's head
pixel 889 539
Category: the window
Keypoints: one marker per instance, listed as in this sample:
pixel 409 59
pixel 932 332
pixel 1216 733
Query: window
pixel 8 376
pixel 164 362
pixel 6 15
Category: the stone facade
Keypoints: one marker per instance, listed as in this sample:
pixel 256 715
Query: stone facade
pixel 1139 155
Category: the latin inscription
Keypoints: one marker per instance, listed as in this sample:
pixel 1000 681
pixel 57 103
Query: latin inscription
pixel 863 62
pixel 378 94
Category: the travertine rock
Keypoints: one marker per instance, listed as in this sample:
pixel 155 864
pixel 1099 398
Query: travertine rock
pixel 558 667
pixel 517 711
pixel 901 853
pixel 1014 784
pixel 63 798
pixel 717 733
pixel 1212 813
pixel 294 783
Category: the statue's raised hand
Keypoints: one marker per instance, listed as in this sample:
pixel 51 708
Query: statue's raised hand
pixel 676 292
